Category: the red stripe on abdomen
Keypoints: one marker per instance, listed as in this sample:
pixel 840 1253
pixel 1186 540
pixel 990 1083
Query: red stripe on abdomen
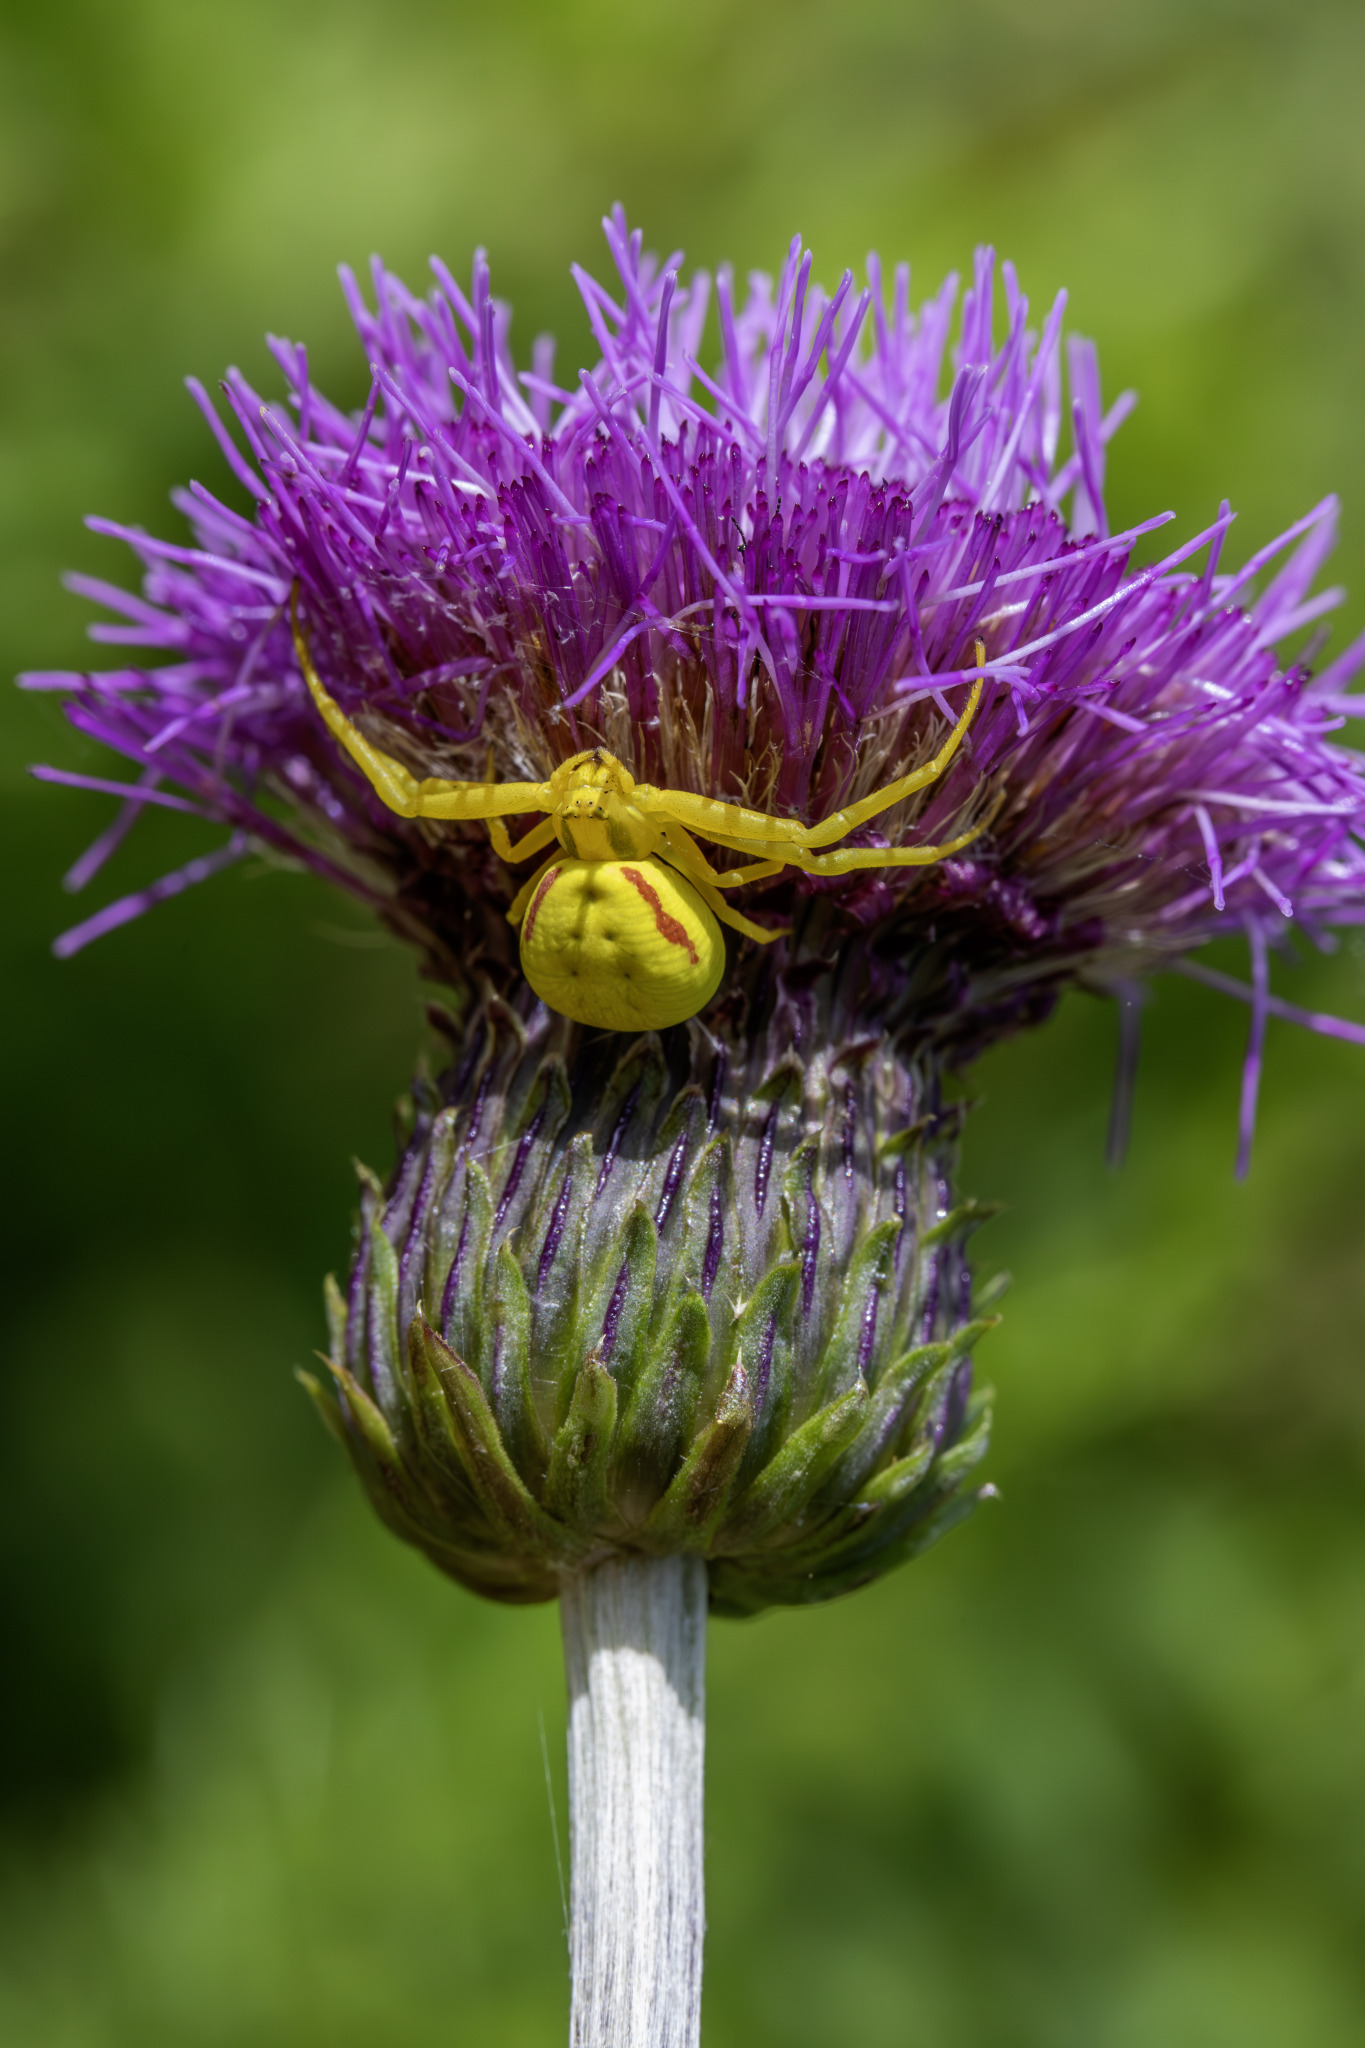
pixel 534 905
pixel 670 928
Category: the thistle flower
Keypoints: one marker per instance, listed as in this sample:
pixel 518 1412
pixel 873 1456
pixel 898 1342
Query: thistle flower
pixel 708 1291
pixel 762 583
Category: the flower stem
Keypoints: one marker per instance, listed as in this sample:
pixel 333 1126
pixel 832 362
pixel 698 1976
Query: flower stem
pixel 635 1653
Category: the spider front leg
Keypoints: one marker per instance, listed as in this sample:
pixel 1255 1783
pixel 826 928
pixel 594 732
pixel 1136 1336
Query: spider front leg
pixel 432 796
pixel 748 831
pixel 854 815
pixel 729 825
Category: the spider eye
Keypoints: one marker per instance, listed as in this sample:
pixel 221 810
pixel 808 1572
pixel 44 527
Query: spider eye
pixel 624 945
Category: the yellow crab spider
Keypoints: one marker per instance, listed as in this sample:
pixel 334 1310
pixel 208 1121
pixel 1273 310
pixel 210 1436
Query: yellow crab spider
pixel 620 925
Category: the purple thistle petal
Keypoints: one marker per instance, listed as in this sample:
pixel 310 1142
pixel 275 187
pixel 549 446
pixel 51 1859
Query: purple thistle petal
pixel 129 907
pixel 1274 1006
pixel 138 797
pixel 109 841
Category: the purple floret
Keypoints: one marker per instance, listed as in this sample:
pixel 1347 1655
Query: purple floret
pixel 764 581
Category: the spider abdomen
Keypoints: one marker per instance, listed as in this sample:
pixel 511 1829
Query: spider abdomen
pixel 627 945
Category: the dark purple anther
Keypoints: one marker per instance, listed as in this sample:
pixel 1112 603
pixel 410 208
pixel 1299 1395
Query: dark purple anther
pixel 717 1089
pixel 614 1143
pixel 471 1132
pixel 869 1331
pixel 524 1149
pixel 715 1242
pixel 849 1129
pixel 672 1182
pixel 898 1209
pixel 614 1308
pixel 810 1245
pixel 764 1164
pixel 556 1229
pixel 414 1246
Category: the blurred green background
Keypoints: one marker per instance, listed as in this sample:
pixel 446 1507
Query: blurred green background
pixel 1094 1772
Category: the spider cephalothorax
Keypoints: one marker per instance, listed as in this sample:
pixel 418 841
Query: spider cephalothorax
pixel 620 927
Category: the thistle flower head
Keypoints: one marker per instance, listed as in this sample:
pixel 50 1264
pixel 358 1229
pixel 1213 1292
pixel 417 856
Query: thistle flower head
pixel 709 1289
pixel 752 557
pixel 706 1295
